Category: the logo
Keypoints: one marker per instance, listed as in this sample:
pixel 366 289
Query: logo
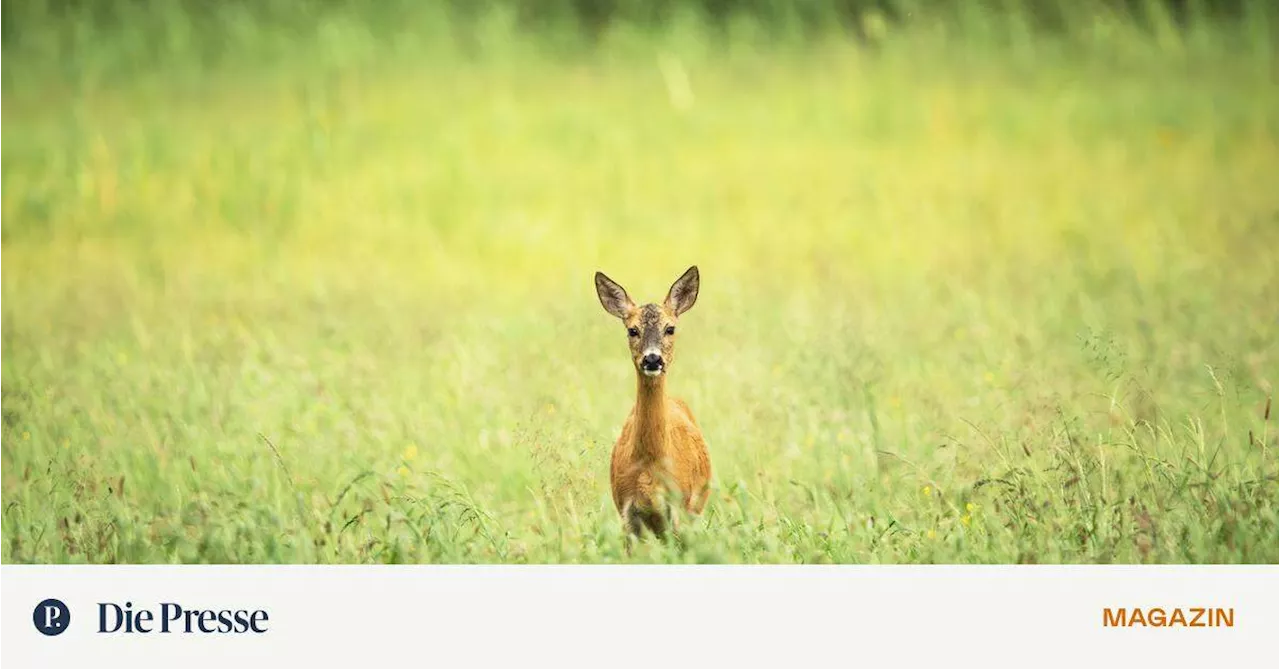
pixel 170 618
pixel 51 617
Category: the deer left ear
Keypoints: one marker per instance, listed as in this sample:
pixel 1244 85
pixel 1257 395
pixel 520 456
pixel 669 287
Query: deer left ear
pixel 612 297
pixel 684 292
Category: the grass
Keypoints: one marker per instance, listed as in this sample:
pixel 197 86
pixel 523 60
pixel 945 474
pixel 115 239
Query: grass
pixel 959 304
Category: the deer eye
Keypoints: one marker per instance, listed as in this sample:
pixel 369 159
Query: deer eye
pixel 633 332
pixel 671 329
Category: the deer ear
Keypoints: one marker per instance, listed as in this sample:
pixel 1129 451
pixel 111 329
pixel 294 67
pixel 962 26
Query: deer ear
pixel 684 292
pixel 612 297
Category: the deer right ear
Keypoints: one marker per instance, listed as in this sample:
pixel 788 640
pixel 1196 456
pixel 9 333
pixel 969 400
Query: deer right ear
pixel 612 297
pixel 684 292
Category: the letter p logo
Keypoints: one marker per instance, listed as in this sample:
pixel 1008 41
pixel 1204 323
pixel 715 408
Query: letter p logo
pixel 51 617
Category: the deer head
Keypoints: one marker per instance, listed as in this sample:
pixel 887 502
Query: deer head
pixel 651 328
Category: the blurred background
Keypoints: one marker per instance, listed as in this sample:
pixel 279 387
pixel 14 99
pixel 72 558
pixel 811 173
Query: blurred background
pixel 294 281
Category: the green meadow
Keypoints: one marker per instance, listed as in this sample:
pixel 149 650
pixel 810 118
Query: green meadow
pixel 970 294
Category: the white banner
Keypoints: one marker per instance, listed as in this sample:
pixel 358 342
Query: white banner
pixel 943 616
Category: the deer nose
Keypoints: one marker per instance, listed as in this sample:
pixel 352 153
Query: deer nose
pixel 651 361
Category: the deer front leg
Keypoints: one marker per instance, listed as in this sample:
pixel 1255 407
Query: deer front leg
pixel 631 525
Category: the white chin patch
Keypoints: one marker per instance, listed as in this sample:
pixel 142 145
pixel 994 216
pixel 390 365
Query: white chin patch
pixel 652 372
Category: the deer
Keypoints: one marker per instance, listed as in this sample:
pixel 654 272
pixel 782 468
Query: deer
pixel 660 463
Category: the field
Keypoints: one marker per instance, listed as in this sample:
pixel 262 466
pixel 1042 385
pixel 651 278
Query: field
pixel 962 301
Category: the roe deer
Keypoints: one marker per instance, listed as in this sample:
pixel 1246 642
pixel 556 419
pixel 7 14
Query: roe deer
pixel 661 454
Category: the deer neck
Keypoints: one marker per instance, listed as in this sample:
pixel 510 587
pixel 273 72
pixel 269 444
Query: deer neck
pixel 651 417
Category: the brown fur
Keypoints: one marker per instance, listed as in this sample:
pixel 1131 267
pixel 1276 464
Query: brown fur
pixel 660 463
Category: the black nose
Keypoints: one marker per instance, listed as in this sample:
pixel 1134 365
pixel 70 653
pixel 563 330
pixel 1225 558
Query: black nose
pixel 652 361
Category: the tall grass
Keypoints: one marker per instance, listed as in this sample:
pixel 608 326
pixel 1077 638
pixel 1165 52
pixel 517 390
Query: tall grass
pixel 89 43
pixel 316 287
